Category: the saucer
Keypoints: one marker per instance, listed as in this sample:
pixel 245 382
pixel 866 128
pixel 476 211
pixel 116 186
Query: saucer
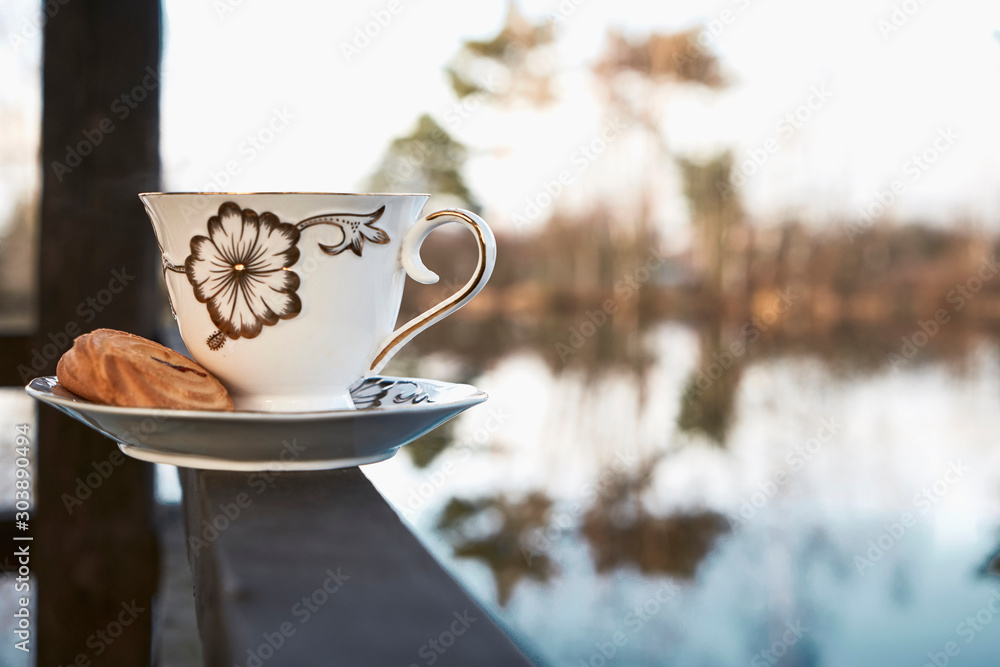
pixel 390 412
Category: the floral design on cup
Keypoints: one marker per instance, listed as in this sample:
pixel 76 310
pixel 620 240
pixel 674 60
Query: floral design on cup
pixel 243 269
pixel 356 228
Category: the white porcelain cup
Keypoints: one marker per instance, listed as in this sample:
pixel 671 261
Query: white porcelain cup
pixel 290 298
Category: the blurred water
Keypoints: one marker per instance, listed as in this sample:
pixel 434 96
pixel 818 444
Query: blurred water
pixel 603 532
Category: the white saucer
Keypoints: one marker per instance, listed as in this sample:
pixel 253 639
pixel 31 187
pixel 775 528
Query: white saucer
pixel 390 413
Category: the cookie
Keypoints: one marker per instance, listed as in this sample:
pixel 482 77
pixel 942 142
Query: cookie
pixel 119 368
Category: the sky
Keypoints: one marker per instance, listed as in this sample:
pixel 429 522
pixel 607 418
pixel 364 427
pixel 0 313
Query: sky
pixel 20 105
pixel 889 92
pixel 262 97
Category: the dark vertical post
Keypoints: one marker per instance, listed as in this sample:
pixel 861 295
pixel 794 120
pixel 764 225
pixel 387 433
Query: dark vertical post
pixel 94 548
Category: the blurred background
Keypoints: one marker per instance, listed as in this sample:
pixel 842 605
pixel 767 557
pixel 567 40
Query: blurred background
pixel 742 339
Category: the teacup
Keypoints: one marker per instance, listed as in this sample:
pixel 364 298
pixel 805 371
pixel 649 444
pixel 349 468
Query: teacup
pixel 290 298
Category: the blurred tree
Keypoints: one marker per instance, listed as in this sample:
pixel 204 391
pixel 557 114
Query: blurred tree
pixel 427 160
pixel 638 76
pixel 672 57
pixel 516 64
pixel 716 210
pixel 519 64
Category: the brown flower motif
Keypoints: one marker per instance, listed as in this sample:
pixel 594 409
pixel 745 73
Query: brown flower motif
pixel 357 228
pixel 241 270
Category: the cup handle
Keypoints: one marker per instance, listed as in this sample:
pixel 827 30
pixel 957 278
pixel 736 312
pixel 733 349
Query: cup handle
pixel 414 267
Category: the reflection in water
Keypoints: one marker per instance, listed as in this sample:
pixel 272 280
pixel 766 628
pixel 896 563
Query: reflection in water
pixel 426 449
pixel 710 392
pixel 992 565
pixel 493 531
pixel 613 534
pixel 674 545
pixel 513 538
pixel 622 532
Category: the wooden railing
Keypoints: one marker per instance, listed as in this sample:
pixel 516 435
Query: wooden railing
pixel 319 570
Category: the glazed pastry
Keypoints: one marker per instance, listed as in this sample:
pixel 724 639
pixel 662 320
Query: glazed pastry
pixel 119 368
